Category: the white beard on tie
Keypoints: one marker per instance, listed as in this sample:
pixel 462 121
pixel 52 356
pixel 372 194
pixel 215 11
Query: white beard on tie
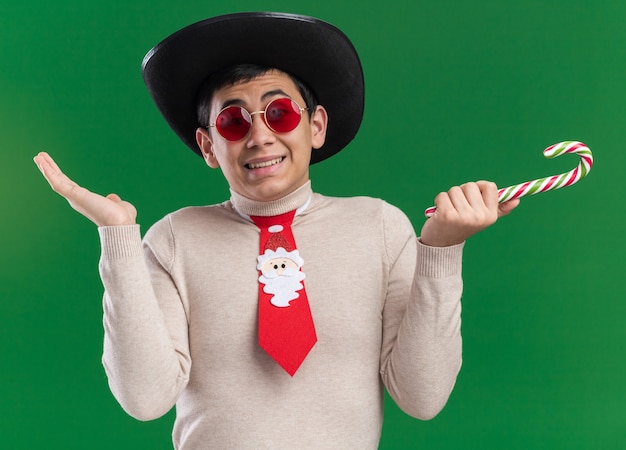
pixel 284 286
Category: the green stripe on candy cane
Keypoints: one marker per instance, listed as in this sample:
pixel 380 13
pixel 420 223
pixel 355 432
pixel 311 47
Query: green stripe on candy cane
pixel 548 183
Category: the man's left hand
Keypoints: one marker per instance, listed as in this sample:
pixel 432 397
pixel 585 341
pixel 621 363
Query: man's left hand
pixel 462 212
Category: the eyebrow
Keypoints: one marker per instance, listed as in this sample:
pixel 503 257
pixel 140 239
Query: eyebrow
pixel 268 94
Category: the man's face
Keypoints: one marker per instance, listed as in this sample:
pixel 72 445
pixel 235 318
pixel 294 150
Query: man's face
pixel 264 165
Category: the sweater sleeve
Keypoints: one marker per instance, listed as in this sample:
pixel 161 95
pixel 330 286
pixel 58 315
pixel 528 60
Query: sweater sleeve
pixel 421 351
pixel 146 355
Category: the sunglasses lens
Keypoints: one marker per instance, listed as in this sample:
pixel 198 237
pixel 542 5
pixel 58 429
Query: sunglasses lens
pixel 233 123
pixel 282 115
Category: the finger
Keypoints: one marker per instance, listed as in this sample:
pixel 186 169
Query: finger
pixel 482 198
pixel 45 158
pixel 458 198
pixel 473 195
pixel 42 161
pixel 506 207
pixel 468 200
pixel 489 192
pixel 114 197
pixel 59 182
pixel 47 165
pixel 443 203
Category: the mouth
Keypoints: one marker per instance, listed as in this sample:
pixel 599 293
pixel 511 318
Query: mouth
pixel 260 165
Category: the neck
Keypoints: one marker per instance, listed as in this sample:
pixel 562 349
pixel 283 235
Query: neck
pixel 296 199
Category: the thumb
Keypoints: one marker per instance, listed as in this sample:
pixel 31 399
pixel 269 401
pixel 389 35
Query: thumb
pixel 506 207
pixel 114 197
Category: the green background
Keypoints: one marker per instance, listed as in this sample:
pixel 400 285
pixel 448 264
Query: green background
pixel 455 91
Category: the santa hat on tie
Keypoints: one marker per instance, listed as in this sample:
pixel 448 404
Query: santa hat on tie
pixel 278 246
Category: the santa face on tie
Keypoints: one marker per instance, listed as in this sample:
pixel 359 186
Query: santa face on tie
pixel 281 275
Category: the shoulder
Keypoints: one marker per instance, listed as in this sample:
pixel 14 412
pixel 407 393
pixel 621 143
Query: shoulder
pixel 194 219
pixel 362 218
pixel 362 208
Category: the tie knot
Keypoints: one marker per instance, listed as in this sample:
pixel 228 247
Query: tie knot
pixel 273 223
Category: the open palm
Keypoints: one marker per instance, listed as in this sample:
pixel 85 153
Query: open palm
pixel 108 210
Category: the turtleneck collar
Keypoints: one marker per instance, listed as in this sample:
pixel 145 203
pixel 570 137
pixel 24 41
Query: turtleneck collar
pixel 298 199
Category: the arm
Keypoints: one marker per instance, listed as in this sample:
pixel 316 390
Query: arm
pixel 422 328
pixel 422 346
pixel 146 349
pixel 146 354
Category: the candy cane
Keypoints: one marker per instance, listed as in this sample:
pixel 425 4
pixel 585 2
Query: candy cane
pixel 548 183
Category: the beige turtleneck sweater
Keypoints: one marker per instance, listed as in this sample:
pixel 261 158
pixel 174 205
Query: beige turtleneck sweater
pixel 180 324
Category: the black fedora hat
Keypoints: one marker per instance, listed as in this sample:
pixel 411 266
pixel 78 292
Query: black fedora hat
pixel 314 51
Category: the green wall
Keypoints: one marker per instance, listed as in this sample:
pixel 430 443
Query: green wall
pixel 456 91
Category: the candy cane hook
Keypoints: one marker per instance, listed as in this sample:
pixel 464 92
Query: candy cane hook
pixel 548 183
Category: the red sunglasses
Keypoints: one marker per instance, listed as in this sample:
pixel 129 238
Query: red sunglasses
pixel 281 115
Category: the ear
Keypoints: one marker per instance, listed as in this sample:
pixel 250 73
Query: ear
pixel 206 147
pixel 319 122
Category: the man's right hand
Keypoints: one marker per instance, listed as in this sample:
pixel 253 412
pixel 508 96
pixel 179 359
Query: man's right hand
pixel 103 211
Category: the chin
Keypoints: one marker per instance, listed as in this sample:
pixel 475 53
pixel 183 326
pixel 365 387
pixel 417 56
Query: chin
pixel 271 191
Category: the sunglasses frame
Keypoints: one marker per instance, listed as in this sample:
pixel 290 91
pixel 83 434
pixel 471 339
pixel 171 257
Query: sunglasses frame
pixel 250 114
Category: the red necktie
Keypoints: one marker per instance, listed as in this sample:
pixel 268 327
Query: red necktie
pixel 286 330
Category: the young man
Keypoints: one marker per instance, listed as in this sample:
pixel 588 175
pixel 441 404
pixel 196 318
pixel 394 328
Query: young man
pixel 276 319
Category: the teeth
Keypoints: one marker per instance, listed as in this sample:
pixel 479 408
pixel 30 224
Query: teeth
pixel 265 163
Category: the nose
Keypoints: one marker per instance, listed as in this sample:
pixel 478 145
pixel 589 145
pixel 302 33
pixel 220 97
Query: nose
pixel 260 133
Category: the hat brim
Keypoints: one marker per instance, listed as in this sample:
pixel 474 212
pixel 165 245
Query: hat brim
pixel 314 51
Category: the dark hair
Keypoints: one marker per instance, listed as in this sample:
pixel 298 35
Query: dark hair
pixel 237 74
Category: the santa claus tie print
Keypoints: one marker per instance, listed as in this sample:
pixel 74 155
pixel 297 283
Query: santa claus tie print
pixel 281 269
